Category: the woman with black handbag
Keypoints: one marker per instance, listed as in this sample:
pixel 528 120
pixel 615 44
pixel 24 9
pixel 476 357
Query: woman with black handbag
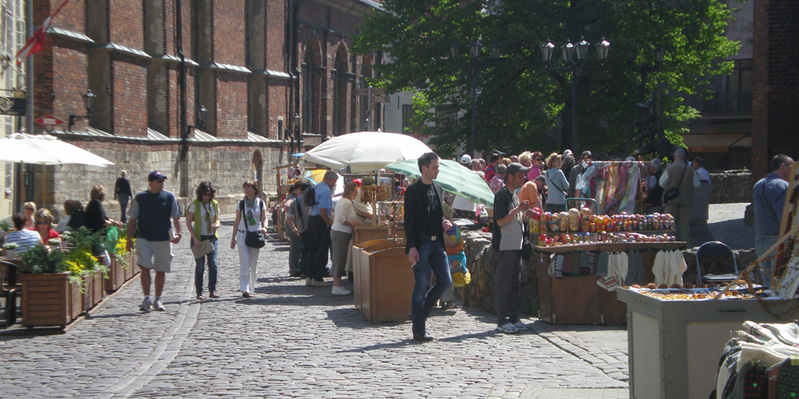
pixel 202 220
pixel 250 231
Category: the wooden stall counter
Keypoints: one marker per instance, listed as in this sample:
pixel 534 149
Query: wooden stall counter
pixel 383 280
pixel 369 232
pixel 579 300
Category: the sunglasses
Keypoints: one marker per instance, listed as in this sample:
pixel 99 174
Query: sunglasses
pixel 42 222
pixel 539 159
pixel 30 209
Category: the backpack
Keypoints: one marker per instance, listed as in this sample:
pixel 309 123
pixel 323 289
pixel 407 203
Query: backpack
pixel 77 219
pixel 309 196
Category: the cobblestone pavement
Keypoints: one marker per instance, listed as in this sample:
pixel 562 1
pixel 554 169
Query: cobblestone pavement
pixel 296 341
pixel 726 222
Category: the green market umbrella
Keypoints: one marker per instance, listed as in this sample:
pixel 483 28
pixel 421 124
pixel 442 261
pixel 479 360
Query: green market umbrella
pixel 452 177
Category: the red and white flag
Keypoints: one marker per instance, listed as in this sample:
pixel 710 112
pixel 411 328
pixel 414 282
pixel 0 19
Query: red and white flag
pixel 35 43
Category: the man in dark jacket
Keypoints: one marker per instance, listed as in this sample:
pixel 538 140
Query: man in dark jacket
pixel 424 235
pixel 122 193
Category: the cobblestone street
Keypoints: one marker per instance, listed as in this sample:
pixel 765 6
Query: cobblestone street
pixel 296 341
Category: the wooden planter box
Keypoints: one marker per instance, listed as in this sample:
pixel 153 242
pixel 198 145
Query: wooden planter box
pixel 132 269
pixel 93 290
pixel 116 276
pixel 49 300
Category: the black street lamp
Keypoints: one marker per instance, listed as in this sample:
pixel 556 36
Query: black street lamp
pixel 576 67
pixel 88 102
pixel 474 64
pixel 650 124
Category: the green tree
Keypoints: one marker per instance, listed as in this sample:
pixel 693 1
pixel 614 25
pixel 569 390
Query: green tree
pixel 520 105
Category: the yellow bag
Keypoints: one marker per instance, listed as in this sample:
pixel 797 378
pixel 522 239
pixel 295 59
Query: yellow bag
pixel 461 280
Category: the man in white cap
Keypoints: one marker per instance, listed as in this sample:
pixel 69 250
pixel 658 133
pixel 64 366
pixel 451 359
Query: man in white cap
pixel 466 160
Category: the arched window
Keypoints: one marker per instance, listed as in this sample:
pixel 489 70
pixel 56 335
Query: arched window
pixel 308 93
pixel 340 92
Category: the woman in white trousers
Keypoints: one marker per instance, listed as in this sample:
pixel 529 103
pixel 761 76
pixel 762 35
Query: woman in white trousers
pixel 253 210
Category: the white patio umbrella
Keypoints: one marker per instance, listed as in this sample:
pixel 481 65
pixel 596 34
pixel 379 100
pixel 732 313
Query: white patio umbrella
pixel 366 151
pixel 43 149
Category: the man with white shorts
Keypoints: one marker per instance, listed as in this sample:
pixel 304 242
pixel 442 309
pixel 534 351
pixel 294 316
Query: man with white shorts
pixel 151 211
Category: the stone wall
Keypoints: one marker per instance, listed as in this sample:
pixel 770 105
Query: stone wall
pixel 482 264
pixel 731 186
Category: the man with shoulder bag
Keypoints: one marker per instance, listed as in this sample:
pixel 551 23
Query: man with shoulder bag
pixel 679 181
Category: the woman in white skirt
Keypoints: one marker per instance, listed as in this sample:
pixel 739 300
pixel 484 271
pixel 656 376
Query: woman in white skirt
pixel 253 210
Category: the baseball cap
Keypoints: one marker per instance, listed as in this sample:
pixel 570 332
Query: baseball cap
pixel 155 176
pixel 516 167
pixel 466 159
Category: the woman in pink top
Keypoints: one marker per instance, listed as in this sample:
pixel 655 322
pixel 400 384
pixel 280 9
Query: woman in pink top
pixel 535 170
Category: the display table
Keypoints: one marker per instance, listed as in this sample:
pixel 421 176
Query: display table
pixel 579 300
pixel 675 346
pixel 371 232
pixel 383 280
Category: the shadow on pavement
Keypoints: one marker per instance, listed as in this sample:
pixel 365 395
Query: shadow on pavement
pixel 734 233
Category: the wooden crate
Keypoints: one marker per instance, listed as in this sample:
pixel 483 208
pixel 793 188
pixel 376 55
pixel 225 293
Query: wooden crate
pixel 371 232
pixel 383 282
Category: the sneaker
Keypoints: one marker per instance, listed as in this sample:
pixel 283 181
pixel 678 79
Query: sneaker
pixel 319 283
pixel 449 305
pixel 146 304
pixel 508 328
pixel 341 291
pixel 245 294
pixel 158 305
pixel 521 326
pixel 426 337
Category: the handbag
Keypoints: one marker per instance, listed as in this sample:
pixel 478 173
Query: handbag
pixel 206 247
pixel 252 239
pixel 527 249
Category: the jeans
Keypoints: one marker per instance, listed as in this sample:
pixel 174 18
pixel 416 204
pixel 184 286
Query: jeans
pixel 320 247
pixel 199 268
pixel 432 260
pixel 506 286
pixel 123 205
pixel 295 251
pixel 762 243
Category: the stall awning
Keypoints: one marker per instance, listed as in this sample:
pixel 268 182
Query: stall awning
pixel 716 142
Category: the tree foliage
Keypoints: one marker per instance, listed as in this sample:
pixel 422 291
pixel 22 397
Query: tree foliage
pixel 520 105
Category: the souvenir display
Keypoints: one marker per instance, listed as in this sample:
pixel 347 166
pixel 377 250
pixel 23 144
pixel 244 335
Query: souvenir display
pixel 374 194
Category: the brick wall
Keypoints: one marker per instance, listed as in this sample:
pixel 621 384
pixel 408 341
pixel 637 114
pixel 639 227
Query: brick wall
pixel 775 122
pixel 126 23
pixel 129 107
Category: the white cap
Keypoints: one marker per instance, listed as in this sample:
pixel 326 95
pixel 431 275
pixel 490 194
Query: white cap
pixel 466 159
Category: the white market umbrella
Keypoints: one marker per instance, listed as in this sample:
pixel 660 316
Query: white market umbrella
pixel 366 151
pixel 43 149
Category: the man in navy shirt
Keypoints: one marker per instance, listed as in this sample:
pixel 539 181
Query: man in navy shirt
pixel 768 199
pixel 151 211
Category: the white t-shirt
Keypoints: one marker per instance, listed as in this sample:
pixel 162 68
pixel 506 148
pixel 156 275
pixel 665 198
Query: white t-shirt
pixel 205 228
pixel 253 215
pixel 344 212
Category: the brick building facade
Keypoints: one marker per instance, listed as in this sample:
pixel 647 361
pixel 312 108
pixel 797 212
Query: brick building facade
pixel 775 71
pixel 261 72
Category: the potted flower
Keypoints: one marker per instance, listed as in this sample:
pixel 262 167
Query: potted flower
pixel 54 243
pixel 10 248
pixel 85 266
pixel 49 295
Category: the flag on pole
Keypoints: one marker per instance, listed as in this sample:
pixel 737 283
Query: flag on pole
pixel 35 43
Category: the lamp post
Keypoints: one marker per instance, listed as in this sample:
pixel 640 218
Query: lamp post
pixel 574 58
pixel 88 102
pixel 650 123
pixel 474 64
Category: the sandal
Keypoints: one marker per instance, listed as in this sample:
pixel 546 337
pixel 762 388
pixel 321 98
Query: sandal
pixel 214 295
pixel 201 298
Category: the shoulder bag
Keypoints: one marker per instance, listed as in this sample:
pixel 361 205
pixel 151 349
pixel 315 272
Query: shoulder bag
pixel 252 239
pixel 673 193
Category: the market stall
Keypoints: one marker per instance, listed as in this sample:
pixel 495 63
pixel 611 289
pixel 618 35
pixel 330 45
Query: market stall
pixel 583 257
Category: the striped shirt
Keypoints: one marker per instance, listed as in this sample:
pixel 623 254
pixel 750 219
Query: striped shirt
pixel 24 238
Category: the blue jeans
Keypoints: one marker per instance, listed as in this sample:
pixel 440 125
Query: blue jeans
pixel 432 260
pixel 199 268
pixel 762 243
pixel 123 205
